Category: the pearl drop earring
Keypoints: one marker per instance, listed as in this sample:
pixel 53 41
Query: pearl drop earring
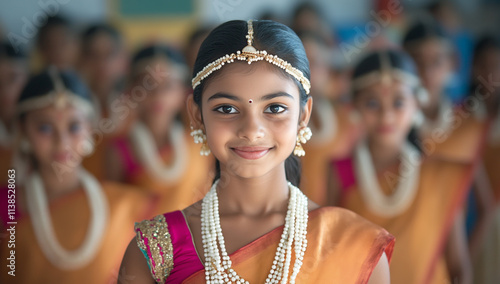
pixel 304 135
pixel 200 138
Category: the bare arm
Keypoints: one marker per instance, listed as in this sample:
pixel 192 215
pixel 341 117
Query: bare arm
pixel 134 269
pixel 457 253
pixel 381 274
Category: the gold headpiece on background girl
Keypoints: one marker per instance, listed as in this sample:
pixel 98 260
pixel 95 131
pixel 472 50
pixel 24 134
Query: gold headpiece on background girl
pixel 250 54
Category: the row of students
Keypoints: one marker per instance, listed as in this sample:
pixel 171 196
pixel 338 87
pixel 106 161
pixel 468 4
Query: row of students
pixel 386 103
pixel 418 157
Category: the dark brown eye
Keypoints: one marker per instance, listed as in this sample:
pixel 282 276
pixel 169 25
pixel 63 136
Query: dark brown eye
pixel 275 109
pixel 226 109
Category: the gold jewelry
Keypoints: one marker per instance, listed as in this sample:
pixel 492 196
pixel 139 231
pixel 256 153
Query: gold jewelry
pixel 200 137
pixel 385 75
pixel 250 54
pixel 304 135
pixel 59 97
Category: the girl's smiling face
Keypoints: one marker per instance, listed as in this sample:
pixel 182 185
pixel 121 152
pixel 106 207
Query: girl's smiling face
pixel 57 135
pixel 251 116
pixel 387 111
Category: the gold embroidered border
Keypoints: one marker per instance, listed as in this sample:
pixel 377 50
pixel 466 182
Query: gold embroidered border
pixel 161 256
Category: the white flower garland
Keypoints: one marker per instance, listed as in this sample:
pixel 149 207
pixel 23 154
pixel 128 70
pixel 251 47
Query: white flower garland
pixel 38 208
pixel 374 197
pixel 145 149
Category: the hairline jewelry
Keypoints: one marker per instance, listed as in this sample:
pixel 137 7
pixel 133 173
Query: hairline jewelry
pixel 250 54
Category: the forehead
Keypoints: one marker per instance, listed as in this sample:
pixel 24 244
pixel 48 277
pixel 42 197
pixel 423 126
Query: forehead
pixel 51 113
pixel 386 90
pixel 255 80
pixel 429 47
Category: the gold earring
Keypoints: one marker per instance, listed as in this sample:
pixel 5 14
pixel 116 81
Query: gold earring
pixel 302 138
pixel 200 137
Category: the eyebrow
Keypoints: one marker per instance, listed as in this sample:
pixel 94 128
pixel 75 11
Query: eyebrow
pixel 263 98
pixel 223 95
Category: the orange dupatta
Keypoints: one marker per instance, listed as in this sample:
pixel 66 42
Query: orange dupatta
pixel 422 230
pixel 188 189
pixel 464 143
pixel 315 164
pixel 342 248
pixel 70 216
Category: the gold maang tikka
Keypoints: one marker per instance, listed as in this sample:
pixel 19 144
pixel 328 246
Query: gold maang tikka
pixel 250 54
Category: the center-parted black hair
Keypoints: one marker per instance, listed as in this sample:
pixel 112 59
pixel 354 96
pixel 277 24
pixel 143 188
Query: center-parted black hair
pixel 277 39
pixel 42 84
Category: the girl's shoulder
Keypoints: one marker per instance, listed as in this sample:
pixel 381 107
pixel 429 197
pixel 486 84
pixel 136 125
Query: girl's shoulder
pixel 164 238
pixel 344 239
pixel 342 226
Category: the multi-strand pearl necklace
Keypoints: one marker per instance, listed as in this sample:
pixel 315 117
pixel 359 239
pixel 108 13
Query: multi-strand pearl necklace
pixel 218 264
pixel 406 189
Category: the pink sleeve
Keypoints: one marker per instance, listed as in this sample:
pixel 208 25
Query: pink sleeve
pixel 130 165
pixel 344 170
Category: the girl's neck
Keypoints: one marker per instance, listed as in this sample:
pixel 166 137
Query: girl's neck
pixel 384 156
pixel 58 185
pixel 255 196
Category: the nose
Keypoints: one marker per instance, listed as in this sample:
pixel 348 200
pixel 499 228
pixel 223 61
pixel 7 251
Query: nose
pixel 251 128
pixel 386 115
pixel 61 140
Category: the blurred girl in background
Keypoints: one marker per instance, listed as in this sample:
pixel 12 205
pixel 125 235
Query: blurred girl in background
pixel 157 154
pixel 70 227
pixel 13 75
pixel 418 199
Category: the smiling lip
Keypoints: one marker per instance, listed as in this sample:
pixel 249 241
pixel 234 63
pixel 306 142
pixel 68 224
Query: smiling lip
pixel 385 129
pixel 251 153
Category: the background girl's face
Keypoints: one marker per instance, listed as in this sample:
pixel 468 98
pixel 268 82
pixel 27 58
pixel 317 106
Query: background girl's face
pixel 252 139
pixel 165 100
pixel 434 64
pixel 387 111
pixel 57 135
pixel 104 60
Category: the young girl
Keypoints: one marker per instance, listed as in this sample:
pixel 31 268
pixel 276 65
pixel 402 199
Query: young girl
pixel 416 198
pixel 103 66
pixel 69 228
pixel 332 122
pixel 13 75
pixel 57 43
pixel 156 154
pixel 446 131
pixel 250 108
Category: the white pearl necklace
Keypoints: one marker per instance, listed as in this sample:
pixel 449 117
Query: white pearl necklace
pixel 443 121
pixel 146 152
pixel 218 269
pixel 38 209
pixel 406 189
